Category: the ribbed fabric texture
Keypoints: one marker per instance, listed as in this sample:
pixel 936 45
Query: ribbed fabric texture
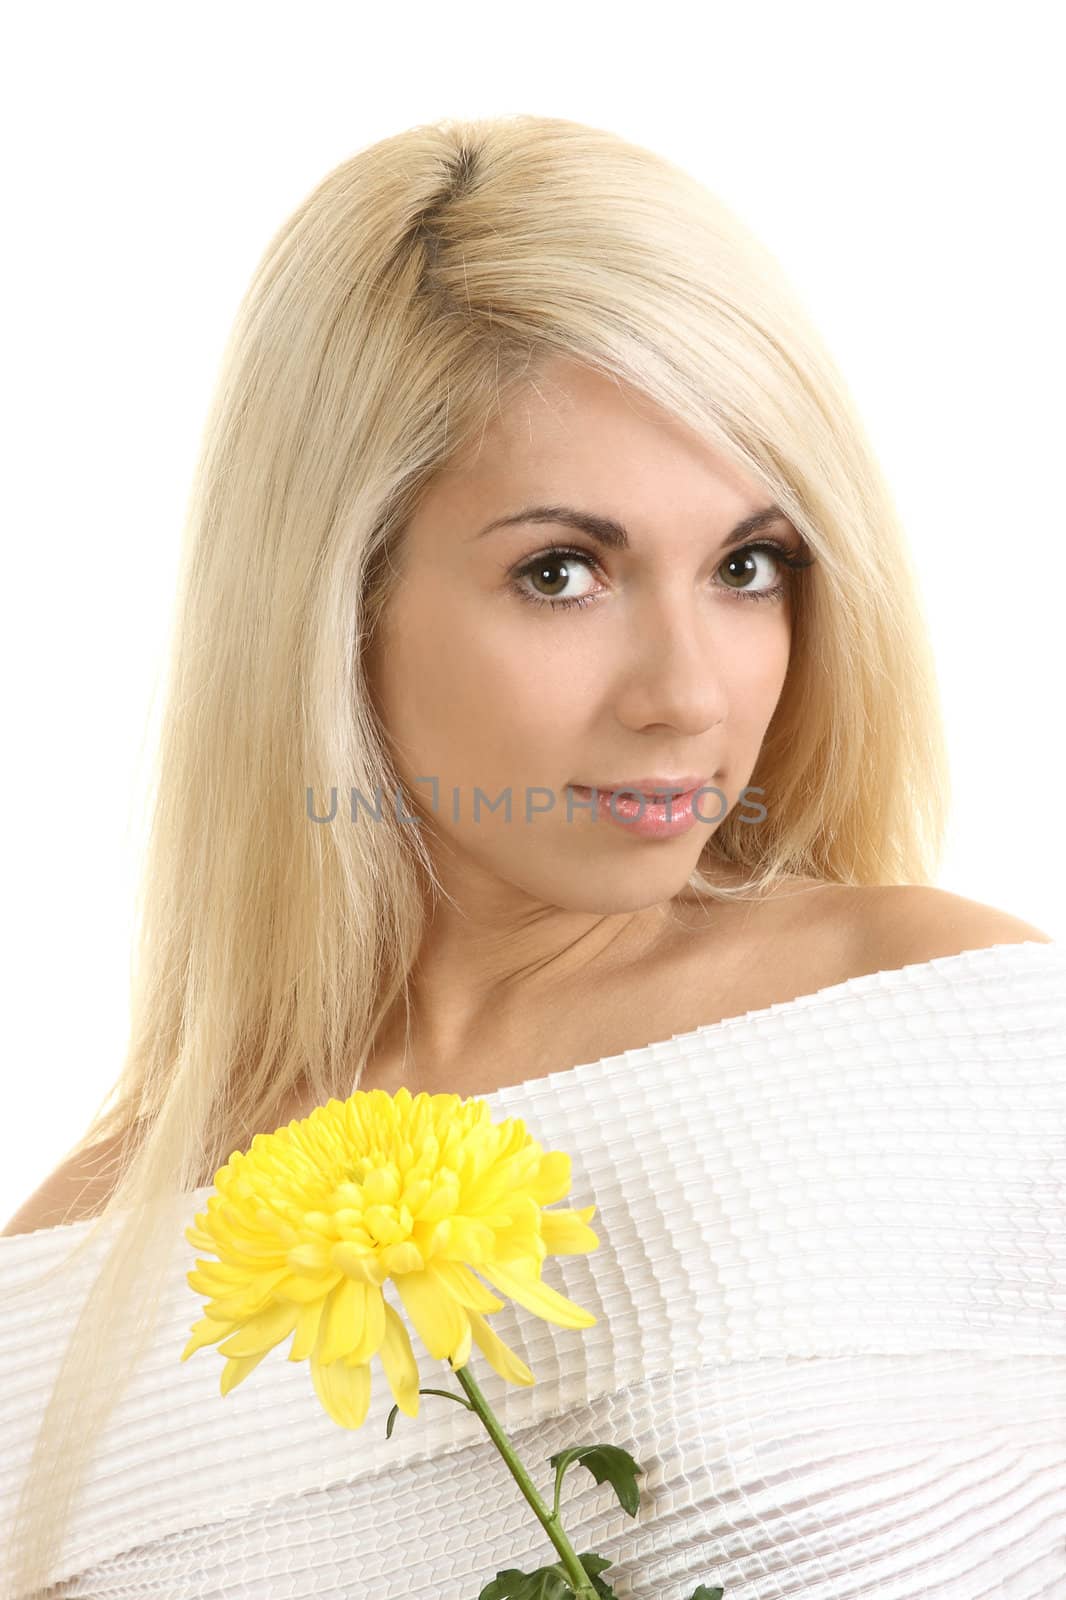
pixel 831 1289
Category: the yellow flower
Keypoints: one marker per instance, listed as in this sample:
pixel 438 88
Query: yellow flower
pixel 309 1223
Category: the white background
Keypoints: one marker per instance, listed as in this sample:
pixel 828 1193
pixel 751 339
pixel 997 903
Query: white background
pixel 903 161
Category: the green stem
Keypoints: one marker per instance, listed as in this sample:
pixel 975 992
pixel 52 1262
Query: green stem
pixel 549 1520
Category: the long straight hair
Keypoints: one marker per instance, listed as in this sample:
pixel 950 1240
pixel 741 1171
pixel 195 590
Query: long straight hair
pixel 405 301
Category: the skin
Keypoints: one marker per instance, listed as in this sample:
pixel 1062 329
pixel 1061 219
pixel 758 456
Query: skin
pixel 668 670
pixel 562 945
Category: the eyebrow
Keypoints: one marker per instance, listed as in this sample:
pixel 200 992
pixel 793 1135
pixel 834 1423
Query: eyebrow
pixel 612 535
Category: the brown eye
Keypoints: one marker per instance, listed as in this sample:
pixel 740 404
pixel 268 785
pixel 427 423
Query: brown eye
pixel 553 572
pixel 743 566
pixel 554 569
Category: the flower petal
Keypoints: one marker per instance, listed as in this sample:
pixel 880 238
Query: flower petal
pixel 303 1289
pixel 492 1347
pixel 344 1391
pixel 468 1240
pixel 501 1179
pixel 565 1232
pixel 373 1328
pixel 358 1262
pixel 237 1369
pixel 203 1333
pixel 402 1258
pixel 461 1354
pixel 307 1323
pixel 239 1302
pixel 463 1287
pixel 215 1277
pixel 312 1255
pixel 263 1332
pixel 553 1179
pixel 438 1320
pixel 399 1363
pixel 537 1296
pixel 343 1322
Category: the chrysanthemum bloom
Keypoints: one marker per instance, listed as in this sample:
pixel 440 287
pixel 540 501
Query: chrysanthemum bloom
pixel 309 1223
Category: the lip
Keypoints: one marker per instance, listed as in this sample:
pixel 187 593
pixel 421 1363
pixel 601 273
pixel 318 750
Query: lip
pixel 650 786
pixel 646 815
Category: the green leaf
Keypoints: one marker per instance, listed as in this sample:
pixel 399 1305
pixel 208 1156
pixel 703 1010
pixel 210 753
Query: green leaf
pixel 606 1462
pixel 547 1583
pixel 514 1585
pixel 703 1593
pixel 394 1413
pixel 594 1565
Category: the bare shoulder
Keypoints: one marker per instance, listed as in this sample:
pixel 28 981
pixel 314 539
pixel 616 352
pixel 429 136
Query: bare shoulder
pixel 897 925
pixel 77 1190
pixel 807 934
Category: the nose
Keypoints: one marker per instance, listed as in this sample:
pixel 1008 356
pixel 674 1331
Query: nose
pixel 671 675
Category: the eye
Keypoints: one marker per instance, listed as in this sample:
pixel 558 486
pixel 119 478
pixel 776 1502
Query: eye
pixel 744 564
pixel 556 567
pixel 544 568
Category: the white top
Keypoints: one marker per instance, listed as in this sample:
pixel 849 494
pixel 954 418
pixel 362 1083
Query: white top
pixel 830 1290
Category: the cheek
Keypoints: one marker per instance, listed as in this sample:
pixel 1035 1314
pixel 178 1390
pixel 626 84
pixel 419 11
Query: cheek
pixel 768 666
pixel 757 647
pixel 458 692
pixel 407 673
pixel 752 664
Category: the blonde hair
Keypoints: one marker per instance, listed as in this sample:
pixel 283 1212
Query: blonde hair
pixel 405 301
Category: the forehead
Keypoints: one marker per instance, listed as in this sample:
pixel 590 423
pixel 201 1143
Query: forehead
pixel 575 434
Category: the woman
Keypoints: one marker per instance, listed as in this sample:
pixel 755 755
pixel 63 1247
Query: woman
pixel 526 477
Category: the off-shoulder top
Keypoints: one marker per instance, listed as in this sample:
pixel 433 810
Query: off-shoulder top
pixel 831 1302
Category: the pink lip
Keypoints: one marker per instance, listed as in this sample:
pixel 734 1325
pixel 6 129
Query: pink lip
pixel 649 786
pixel 644 815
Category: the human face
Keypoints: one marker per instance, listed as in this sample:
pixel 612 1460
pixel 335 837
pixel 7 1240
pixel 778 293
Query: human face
pixel 669 669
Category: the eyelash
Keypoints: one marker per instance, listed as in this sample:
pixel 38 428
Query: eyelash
pixel 780 552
